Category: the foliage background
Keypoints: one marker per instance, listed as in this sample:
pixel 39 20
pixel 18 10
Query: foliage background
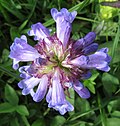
pixel 103 107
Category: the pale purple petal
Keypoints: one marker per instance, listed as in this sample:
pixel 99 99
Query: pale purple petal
pixel 69 16
pixel 21 51
pixel 15 63
pixel 106 68
pixel 81 90
pixel 98 61
pixel 63 21
pixel 49 95
pixel 41 90
pixel 77 85
pixel 23 71
pixel 40 32
pixel 66 107
pixel 56 96
pixel 28 84
pixel 83 93
pixel 93 61
pixel 54 12
pixel 80 61
pixel 105 50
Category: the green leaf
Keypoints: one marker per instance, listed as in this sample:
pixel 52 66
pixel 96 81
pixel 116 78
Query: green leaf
pixel 4 120
pixel 11 8
pixel 95 74
pixel 71 98
pixel 113 122
pixel 82 105
pixel 57 121
pixel 23 25
pixel 115 114
pixel 22 110
pixel 39 122
pixel 6 108
pixel 4 13
pixel 113 105
pixel 102 111
pixel 109 82
pixel 14 32
pixel 82 124
pixel 80 6
pixel 11 95
pixel 90 85
pixel 25 121
pixel 115 44
pixel 11 74
pixel 14 122
pixel 5 54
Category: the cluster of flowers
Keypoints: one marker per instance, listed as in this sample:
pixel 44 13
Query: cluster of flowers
pixel 57 62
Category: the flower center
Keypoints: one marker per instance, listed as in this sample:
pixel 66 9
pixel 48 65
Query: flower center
pixel 53 56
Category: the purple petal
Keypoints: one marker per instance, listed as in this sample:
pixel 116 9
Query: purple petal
pixel 84 44
pixel 49 95
pixel 82 91
pixel 77 85
pixel 23 71
pixel 80 61
pixel 63 23
pixel 54 12
pixel 62 107
pixel 15 63
pixel 66 107
pixel 94 61
pixel 89 38
pixel 105 50
pixel 28 84
pixel 106 68
pixel 41 90
pixel 97 60
pixel 21 51
pixel 86 75
pixel 67 15
pixel 78 45
pixel 56 96
pixel 40 32
pixel 98 56
pixel 90 49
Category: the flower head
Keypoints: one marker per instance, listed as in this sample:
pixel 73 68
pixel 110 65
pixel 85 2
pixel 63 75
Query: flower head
pixel 58 62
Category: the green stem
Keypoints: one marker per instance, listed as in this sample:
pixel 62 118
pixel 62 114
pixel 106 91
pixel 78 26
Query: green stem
pixel 86 19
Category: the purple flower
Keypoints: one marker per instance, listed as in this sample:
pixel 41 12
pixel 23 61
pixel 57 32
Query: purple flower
pixel 58 62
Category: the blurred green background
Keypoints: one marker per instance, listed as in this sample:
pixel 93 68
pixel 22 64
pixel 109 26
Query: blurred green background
pixel 103 107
